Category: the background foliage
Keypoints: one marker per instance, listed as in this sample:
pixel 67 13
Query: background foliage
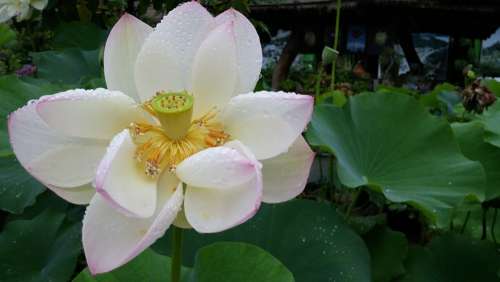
pixel 405 186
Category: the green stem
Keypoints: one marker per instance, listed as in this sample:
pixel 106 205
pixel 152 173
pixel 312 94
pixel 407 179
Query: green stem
pixel 467 216
pixel 493 236
pixel 483 235
pixel 320 164
pixel 353 203
pixel 317 86
pixel 331 174
pixel 336 42
pixel 176 254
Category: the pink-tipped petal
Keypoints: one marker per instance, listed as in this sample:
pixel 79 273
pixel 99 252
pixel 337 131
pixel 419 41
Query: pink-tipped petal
pixel 122 46
pixel 166 58
pixel 285 176
pixel 121 182
pixel 215 71
pixel 214 210
pixel 216 168
pixel 248 49
pixel 111 239
pixel 211 209
pixel 98 113
pixel 52 158
pixel 267 122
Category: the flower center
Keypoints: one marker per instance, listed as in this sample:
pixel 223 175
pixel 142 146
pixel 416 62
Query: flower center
pixel 177 137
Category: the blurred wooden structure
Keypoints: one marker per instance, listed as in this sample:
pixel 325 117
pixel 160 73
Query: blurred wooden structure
pixel 312 22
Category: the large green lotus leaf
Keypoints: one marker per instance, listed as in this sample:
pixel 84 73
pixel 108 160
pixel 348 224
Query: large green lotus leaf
pixel 470 138
pixel 309 238
pixel 453 258
pixel 493 86
pixel 388 250
pixel 443 98
pixel 390 143
pixel 491 120
pixel 79 35
pixel 42 249
pixel 221 262
pixel 17 188
pixel 231 261
pixel 71 66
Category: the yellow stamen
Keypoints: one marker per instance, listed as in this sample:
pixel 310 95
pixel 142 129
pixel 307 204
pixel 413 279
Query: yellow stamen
pixel 157 151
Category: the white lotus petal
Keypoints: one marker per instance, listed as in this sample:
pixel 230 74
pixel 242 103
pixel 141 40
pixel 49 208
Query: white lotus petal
pixel 67 166
pixel 215 210
pixel 267 122
pixel 248 49
pixel 285 176
pixel 244 150
pixel 98 113
pixel 111 239
pixel 78 196
pixel 122 46
pixel 39 4
pixel 215 72
pixel 50 157
pixel 7 12
pixel 166 58
pixel 122 183
pixel 23 10
pixel 219 168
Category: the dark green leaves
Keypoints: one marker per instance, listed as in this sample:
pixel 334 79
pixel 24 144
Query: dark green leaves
pixel 69 66
pixel 390 143
pixel 17 188
pixel 221 262
pixel 309 238
pixel 388 250
pixel 41 249
pixel 471 139
pixel 453 258
pixel 7 35
pixel 86 36
pixel 491 120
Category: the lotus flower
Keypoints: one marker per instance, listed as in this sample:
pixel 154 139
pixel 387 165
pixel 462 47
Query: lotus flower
pixel 19 9
pixel 176 138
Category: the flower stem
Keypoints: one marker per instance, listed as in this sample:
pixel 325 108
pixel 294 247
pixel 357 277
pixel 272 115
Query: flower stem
pixel 336 42
pixel 353 202
pixel 467 216
pixel 176 254
pixel 493 236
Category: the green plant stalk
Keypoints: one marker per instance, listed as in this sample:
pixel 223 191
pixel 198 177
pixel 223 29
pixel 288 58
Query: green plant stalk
pixel 320 164
pixel 477 50
pixel 317 86
pixel 485 213
pixel 467 216
pixel 336 43
pixel 176 254
pixel 493 236
pixel 353 203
